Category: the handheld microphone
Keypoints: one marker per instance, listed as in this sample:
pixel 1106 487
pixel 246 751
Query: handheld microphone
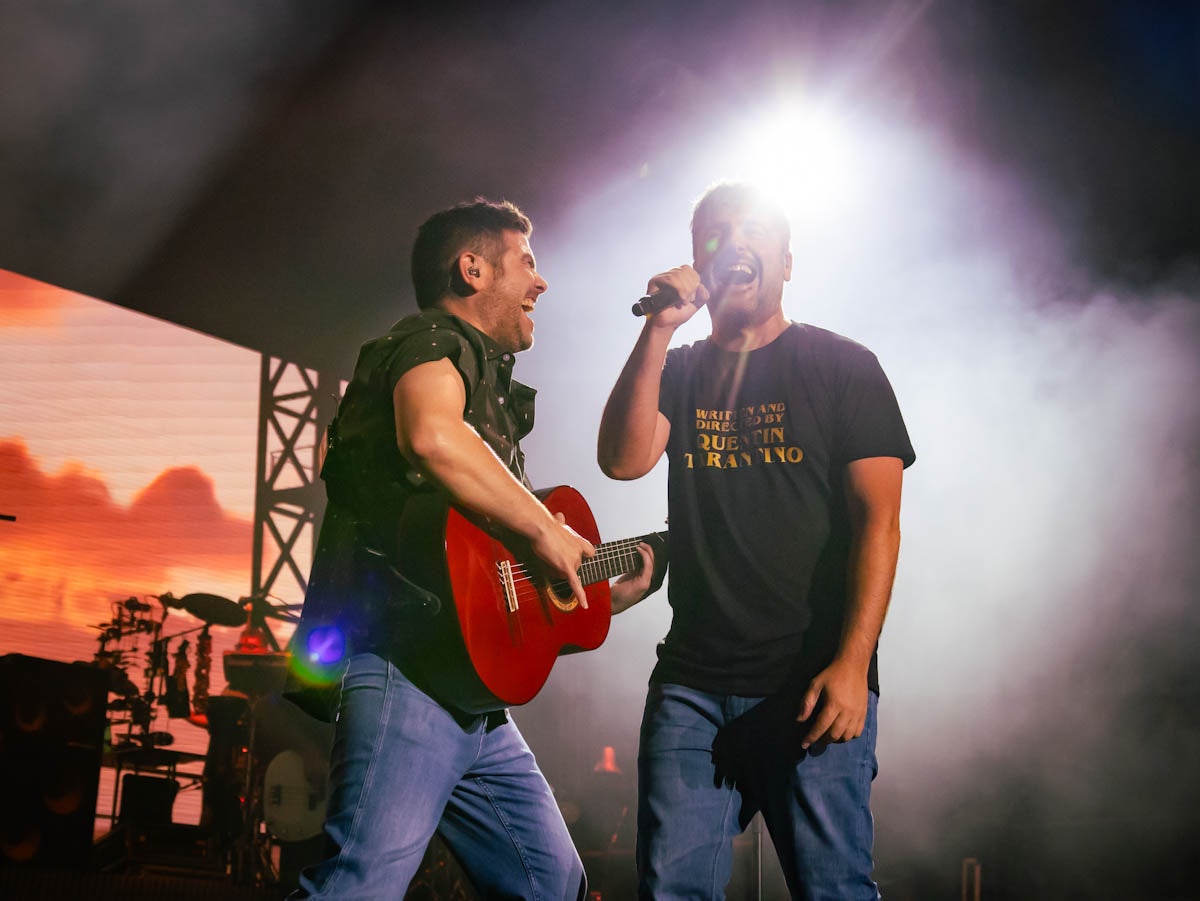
pixel 664 297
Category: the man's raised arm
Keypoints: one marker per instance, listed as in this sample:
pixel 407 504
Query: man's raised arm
pixel 633 433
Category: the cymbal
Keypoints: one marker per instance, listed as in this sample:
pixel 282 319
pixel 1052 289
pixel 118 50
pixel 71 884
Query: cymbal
pixel 213 609
pixel 148 756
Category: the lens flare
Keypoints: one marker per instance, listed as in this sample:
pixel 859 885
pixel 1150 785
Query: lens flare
pixel 323 650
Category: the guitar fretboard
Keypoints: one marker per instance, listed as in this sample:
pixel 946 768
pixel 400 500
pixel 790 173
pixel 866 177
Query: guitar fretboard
pixel 614 558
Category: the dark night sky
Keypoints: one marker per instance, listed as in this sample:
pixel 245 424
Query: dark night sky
pixel 257 172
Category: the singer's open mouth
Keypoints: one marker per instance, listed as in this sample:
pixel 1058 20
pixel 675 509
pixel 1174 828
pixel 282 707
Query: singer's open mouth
pixel 738 273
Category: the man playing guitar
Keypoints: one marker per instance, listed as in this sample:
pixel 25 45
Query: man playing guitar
pixel 432 409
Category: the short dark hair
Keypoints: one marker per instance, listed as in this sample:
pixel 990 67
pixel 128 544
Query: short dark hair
pixel 477 226
pixel 741 194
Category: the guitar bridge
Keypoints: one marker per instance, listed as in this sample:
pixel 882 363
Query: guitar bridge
pixel 504 570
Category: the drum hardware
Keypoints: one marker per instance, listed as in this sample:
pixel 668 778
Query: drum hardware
pixel 157 739
pixel 232 788
pixel 233 770
pixel 176 698
pixel 168 687
pixel 119 683
pixel 257 635
pixel 277 801
pixel 208 608
pixel 150 755
pixel 130 619
pixel 211 610
pixel 130 738
pixel 251 852
pixel 199 711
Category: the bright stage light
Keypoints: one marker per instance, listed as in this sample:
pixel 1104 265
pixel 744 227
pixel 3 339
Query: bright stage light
pixel 805 156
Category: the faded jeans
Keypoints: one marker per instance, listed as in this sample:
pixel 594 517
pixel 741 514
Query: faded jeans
pixel 815 803
pixel 402 767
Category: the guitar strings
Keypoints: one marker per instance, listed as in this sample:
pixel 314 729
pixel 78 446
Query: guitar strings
pixel 623 550
pixel 607 553
pixel 625 547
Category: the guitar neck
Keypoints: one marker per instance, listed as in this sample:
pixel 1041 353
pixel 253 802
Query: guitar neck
pixel 615 558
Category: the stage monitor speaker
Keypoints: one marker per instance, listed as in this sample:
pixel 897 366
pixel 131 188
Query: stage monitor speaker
pixel 52 719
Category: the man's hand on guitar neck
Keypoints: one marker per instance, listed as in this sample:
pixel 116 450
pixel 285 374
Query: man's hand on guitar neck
pixel 632 587
pixel 562 550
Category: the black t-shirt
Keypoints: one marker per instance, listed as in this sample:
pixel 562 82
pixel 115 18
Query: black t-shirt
pixel 759 536
pixel 352 587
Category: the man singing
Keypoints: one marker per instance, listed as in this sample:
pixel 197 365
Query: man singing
pixel 786 450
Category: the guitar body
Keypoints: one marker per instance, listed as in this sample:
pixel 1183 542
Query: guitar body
pixel 500 627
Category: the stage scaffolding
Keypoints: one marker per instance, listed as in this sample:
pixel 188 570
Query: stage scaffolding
pixel 296 404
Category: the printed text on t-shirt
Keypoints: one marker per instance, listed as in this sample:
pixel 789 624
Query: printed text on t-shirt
pixel 731 439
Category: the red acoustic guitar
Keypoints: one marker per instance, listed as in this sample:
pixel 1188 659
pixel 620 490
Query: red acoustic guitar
pixel 500 626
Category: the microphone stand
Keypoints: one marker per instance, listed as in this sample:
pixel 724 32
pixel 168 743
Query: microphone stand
pixel 757 828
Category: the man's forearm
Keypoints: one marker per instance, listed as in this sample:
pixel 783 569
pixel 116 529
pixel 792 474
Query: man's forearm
pixel 470 472
pixel 874 551
pixel 626 441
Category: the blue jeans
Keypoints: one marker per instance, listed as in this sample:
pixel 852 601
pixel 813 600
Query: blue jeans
pixel 815 803
pixel 402 767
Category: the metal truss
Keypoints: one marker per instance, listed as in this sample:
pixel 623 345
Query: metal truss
pixel 295 407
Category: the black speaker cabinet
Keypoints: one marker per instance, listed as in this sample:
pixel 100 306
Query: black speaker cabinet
pixel 52 719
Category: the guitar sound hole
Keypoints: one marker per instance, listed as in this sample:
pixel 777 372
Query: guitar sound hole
pixel 560 595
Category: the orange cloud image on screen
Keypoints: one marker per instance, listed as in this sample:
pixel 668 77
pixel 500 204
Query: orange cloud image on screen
pixel 127 455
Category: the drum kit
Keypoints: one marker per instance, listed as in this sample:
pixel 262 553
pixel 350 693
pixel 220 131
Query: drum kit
pixel 247 747
pixel 265 765
pixel 120 641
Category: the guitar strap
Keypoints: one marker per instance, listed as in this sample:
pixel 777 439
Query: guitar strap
pixel 406 595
